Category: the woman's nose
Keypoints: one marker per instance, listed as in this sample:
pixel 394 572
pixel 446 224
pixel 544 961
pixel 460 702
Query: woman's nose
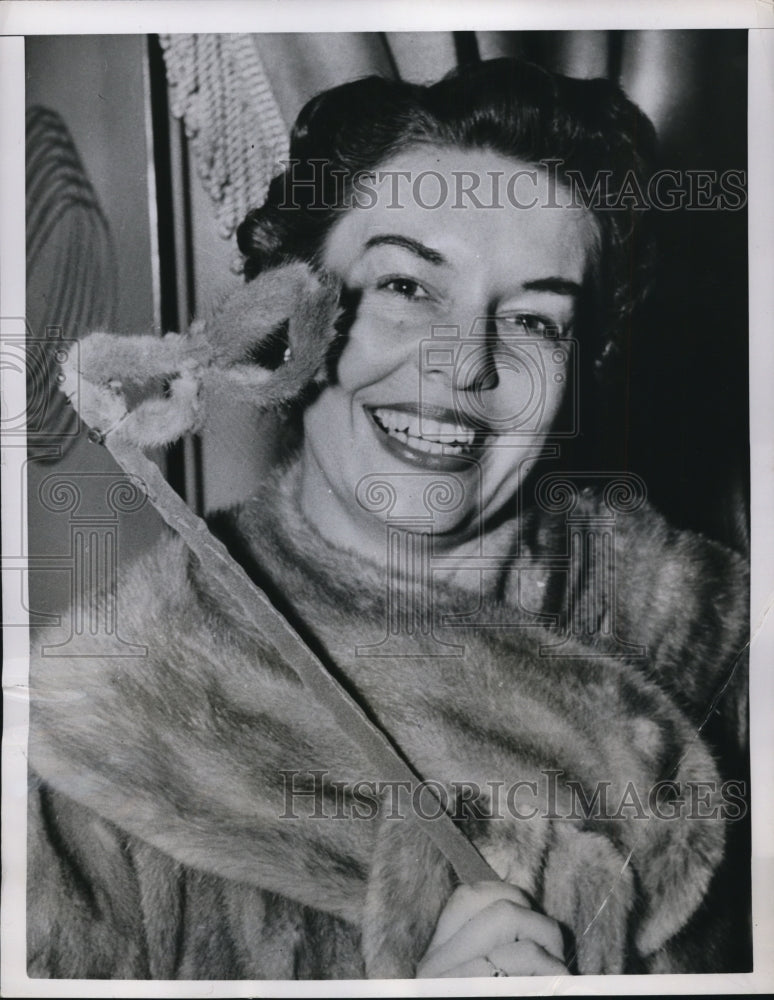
pixel 476 369
pixel 466 356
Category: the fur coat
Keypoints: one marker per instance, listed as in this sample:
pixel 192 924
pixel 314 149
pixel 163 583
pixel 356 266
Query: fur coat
pixel 194 815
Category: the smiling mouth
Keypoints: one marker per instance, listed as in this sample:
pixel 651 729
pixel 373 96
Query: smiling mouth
pixel 428 437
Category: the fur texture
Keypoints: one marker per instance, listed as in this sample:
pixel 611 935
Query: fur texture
pixel 152 390
pixel 157 814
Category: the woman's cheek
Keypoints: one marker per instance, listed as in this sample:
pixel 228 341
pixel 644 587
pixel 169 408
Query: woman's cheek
pixel 526 400
pixel 375 350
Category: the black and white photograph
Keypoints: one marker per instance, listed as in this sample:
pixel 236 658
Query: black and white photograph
pixel 383 486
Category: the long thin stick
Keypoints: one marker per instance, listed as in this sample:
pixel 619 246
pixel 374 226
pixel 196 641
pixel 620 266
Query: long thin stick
pixel 258 609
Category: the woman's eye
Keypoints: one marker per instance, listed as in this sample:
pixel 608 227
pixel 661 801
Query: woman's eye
pixel 535 326
pixel 408 288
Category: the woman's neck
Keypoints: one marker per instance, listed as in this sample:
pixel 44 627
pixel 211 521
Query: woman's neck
pixel 367 534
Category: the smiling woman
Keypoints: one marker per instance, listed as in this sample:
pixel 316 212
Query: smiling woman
pixel 493 293
pixel 466 252
pixel 561 669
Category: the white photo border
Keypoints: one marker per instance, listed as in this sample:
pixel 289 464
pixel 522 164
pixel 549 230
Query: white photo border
pixel 141 16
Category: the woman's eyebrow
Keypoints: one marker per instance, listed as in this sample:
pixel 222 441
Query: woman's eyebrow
pixel 414 246
pixel 560 286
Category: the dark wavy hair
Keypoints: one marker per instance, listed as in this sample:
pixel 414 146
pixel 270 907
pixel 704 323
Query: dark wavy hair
pixel 514 108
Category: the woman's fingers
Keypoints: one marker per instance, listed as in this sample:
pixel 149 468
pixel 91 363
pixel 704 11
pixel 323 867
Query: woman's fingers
pixel 500 923
pixel 519 958
pixel 526 958
pixel 468 900
pixel 467 970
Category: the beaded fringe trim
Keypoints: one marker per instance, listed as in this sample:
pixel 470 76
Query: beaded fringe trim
pixel 220 90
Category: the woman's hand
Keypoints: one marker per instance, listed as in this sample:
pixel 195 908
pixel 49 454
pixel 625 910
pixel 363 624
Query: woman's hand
pixel 489 929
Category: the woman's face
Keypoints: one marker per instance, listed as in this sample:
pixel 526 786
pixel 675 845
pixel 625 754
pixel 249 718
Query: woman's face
pixel 458 355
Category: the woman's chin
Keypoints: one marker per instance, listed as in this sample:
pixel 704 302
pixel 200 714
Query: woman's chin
pixel 437 508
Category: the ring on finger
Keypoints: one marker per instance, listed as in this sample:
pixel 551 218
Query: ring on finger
pixel 496 970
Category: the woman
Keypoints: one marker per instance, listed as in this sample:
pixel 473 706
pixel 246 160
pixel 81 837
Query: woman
pixel 195 814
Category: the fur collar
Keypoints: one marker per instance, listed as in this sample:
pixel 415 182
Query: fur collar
pixel 192 749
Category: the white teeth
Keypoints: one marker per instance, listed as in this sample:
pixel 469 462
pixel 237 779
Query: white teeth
pixel 434 429
pixel 424 433
pixel 464 435
pixel 413 427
